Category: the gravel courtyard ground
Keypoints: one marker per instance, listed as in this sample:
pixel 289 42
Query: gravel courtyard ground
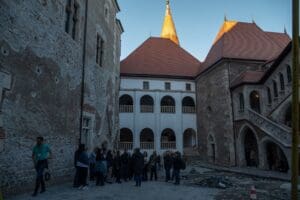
pixel 198 183
pixel 125 191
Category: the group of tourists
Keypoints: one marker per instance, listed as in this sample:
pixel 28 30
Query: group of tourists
pixel 107 166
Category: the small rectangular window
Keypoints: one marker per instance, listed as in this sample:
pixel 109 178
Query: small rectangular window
pixel 188 87
pixel 167 86
pixel 146 85
pixel 99 50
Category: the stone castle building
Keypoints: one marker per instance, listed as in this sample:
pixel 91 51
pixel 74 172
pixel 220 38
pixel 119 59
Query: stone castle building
pixel 241 93
pixel 48 50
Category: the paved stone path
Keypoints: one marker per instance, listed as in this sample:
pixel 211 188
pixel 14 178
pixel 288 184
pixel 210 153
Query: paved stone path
pixel 125 191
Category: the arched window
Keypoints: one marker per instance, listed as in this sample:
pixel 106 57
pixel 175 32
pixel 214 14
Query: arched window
pixel 147 139
pixel 126 103
pixel 189 138
pixel 255 101
pixel 269 95
pixel 147 103
pixel 188 105
pixel 275 89
pixel 167 104
pixel 282 87
pixel 242 102
pixel 168 139
pixel 288 73
pixel 126 139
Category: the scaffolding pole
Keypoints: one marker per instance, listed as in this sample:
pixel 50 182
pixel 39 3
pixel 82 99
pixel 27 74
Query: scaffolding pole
pixel 295 99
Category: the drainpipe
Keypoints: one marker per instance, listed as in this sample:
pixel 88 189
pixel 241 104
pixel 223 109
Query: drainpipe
pixel 83 71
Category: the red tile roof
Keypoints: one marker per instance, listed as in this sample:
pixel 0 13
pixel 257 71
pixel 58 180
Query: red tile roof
pixel 161 57
pixel 259 77
pixel 245 41
pixel 248 77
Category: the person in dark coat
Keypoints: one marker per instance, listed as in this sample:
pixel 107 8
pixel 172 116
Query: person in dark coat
pixel 76 157
pixel 177 165
pixel 138 165
pixel 130 171
pixel 153 163
pixel 125 165
pixel 117 167
pixel 82 166
pixel 92 162
pixel 100 168
pixel 168 162
pixel 145 170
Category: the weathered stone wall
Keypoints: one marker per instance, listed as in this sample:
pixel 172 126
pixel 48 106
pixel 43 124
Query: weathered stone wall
pixel 43 65
pixel 214 115
pixel 102 82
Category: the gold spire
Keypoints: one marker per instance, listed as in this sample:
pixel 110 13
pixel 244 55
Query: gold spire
pixel 226 27
pixel 168 29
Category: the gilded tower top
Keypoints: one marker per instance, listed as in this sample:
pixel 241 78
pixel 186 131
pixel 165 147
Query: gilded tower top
pixel 168 29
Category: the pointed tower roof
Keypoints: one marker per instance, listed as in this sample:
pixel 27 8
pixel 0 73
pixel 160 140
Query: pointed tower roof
pixel 247 41
pixel 168 29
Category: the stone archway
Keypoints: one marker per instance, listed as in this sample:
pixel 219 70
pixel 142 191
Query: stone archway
pixel 275 157
pixel 189 141
pixel 189 138
pixel 250 148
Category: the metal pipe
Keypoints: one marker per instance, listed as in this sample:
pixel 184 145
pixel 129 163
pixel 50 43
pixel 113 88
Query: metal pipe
pixel 295 99
pixel 83 72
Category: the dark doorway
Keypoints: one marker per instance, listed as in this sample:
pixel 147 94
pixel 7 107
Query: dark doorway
pixel 276 158
pixel 251 149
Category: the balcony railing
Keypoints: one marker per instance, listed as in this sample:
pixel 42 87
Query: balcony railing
pixel 125 145
pixel 126 108
pixel 147 145
pixel 167 109
pixel 168 145
pixel 147 109
pixel 188 109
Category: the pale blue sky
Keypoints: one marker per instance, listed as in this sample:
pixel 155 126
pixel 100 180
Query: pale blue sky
pixel 197 21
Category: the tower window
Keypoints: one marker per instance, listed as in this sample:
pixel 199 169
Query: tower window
pixel 72 17
pixel 281 82
pixel 288 73
pixel 275 89
pixel 269 95
pixel 99 50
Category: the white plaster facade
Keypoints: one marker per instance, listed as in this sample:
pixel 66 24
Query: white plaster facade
pixel 158 121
